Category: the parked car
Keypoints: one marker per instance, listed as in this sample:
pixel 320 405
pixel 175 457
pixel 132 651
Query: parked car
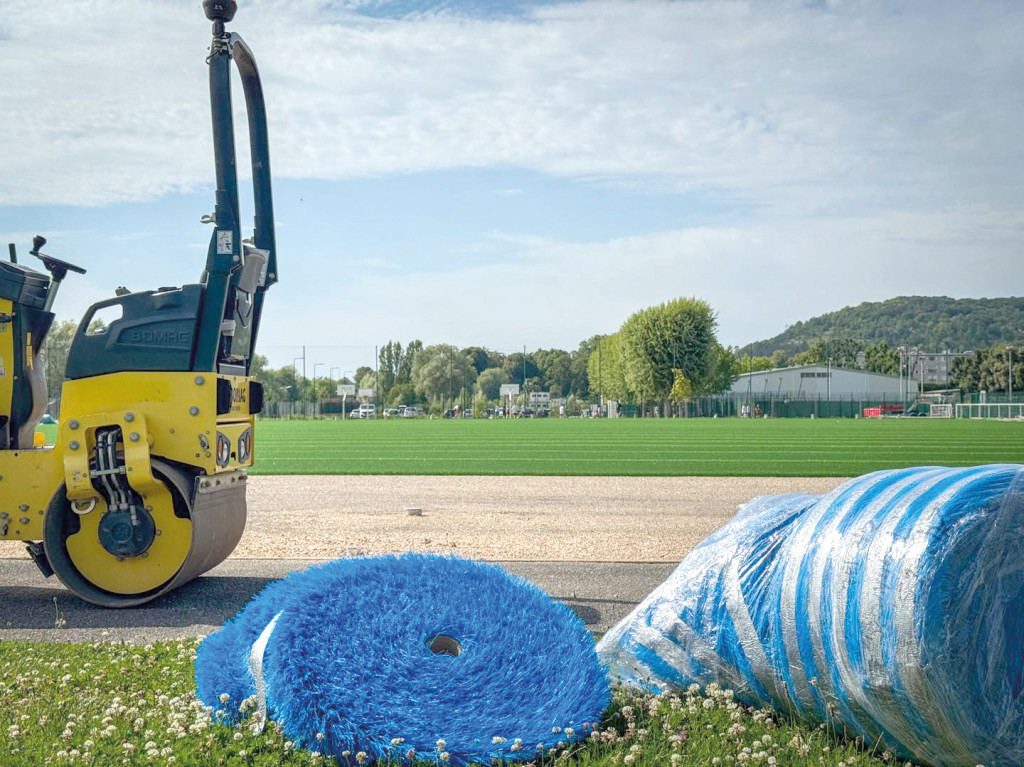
pixel 391 412
pixel 367 411
pixel 411 412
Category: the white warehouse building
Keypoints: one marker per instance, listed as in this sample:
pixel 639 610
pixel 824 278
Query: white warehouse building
pixel 813 381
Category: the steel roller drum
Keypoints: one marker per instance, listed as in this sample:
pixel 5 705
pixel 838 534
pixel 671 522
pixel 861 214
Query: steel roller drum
pixel 214 510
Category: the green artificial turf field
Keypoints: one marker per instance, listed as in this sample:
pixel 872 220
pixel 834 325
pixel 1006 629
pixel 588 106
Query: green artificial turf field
pixel 654 447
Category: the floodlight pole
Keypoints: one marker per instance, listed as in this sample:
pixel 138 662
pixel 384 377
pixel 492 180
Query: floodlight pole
pixel 1009 375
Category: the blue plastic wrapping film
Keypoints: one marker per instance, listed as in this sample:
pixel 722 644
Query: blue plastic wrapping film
pixel 347 663
pixel 893 606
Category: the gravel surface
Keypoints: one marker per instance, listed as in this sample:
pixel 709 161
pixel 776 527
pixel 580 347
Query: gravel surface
pixel 596 519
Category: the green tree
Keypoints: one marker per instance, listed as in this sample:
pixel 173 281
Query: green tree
pixel 677 334
pixel 606 371
pixel 578 367
pixel 483 358
pixel 55 357
pixel 881 359
pixel 404 374
pixel 488 383
pixel 722 372
pixel 748 364
pixel 402 394
pixel 441 372
pixel 682 389
pixel 389 365
pixel 517 373
pixel 556 370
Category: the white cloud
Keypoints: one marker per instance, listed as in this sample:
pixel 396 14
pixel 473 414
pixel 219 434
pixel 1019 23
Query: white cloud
pixel 759 279
pixel 871 146
pixel 845 106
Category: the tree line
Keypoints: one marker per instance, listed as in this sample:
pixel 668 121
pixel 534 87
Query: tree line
pixel 937 323
pixel 660 356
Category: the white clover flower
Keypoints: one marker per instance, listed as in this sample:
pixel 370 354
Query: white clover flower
pixel 237 736
pixel 440 745
pixel 397 741
pixel 498 740
pixel 444 756
pixel 361 757
pixel 320 736
pixel 629 758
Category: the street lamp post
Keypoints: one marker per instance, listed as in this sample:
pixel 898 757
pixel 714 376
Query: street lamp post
pixel 315 366
pixel 1009 374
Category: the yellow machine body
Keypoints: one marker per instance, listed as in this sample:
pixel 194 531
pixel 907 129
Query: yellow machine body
pixel 6 352
pixel 166 419
pixel 145 486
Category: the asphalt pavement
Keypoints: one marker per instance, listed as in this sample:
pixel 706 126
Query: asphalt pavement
pixel 38 609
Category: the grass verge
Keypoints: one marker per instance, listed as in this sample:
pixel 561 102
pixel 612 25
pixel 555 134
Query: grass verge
pixel 111 704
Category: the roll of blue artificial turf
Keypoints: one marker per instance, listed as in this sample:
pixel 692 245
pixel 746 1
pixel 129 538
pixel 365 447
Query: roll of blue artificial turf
pixel 389 655
pixel 892 606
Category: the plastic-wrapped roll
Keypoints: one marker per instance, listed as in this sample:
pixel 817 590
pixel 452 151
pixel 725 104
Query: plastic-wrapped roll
pixel 388 655
pixel 893 605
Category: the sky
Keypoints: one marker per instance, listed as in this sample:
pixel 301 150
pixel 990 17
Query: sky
pixel 528 174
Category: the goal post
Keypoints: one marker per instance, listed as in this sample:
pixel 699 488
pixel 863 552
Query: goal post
pixel 941 411
pixel 991 410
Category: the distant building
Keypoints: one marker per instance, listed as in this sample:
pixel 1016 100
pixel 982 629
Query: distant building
pixel 810 381
pixel 933 367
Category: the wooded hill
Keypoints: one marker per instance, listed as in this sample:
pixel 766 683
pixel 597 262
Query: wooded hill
pixel 935 323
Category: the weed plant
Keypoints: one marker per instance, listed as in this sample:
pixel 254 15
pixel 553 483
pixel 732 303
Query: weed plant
pixel 124 704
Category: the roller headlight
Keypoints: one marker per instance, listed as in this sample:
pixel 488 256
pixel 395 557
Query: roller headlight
pixel 245 445
pixel 223 450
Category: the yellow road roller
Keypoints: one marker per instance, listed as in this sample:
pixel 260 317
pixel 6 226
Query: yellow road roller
pixel 145 487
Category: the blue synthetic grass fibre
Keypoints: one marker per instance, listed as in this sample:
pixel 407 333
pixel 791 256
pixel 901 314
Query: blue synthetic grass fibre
pixel 349 658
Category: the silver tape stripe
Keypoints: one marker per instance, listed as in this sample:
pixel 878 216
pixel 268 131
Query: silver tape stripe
pixel 1008 533
pixel 626 667
pixel 790 581
pixel 669 623
pixel 882 703
pixel 668 652
pixel 844 551
pixel 908 653
pixel 1011 515
pixel 827 544
pixel 748 638
pixel 256 667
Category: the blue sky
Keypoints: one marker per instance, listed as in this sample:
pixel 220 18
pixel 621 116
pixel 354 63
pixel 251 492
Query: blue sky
pixel 529 174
